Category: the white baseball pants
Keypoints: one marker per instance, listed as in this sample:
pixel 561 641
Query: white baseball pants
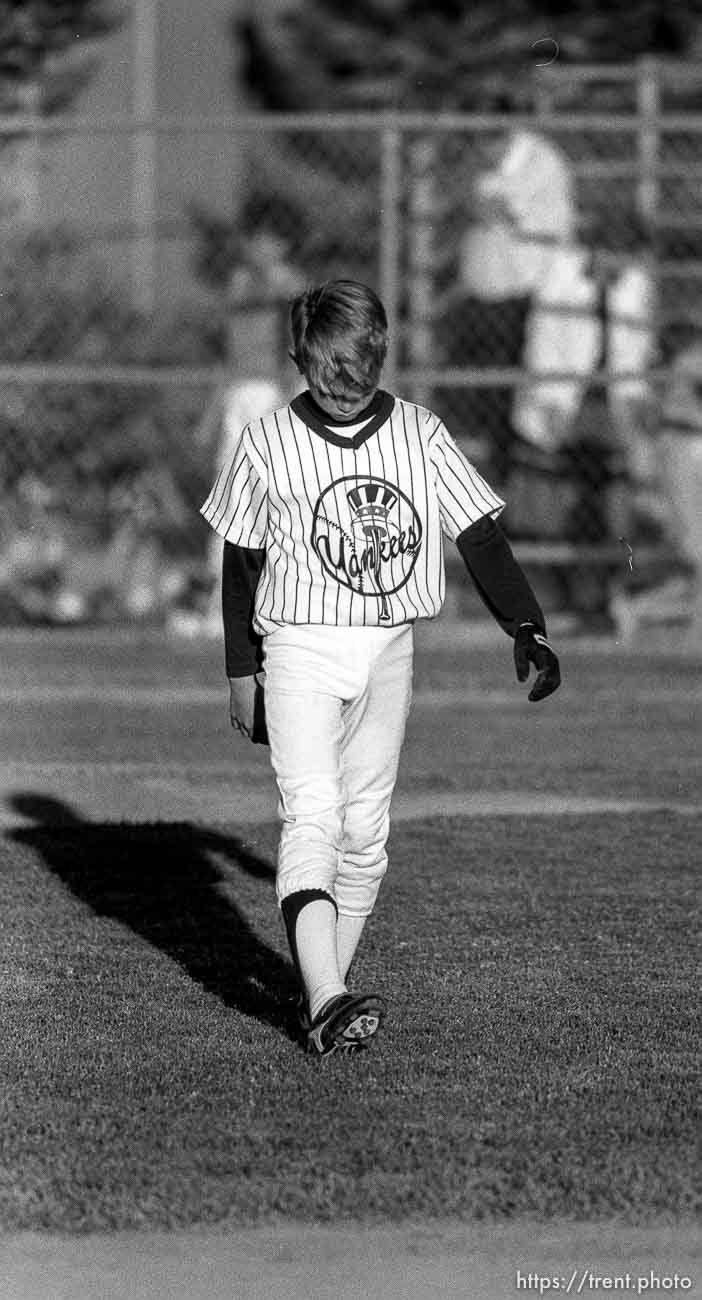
pixel 337 700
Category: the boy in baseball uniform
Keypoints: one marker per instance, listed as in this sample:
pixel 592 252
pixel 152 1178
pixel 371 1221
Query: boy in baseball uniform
pixel 333 511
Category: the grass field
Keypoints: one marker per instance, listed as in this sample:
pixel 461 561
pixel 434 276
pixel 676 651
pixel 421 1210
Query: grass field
pixel 540 1060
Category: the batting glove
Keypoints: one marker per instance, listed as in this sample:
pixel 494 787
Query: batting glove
pixel 531 647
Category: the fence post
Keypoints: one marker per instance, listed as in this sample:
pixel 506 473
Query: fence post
pixel 390 240
pixel 144 214
pixel 420 274
pixel 648 109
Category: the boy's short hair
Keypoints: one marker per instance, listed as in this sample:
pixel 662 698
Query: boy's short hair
pixel 339 333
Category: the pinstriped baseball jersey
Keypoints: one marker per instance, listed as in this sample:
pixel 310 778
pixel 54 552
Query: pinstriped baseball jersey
pixel 352 526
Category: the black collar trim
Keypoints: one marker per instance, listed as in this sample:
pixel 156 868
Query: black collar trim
pixel 377 412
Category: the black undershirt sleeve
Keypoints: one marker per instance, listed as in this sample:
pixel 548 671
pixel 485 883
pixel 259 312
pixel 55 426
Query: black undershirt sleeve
pixel 498 577
pixel 241 570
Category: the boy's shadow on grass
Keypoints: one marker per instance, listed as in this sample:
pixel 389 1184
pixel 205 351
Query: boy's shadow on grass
pixel 161 881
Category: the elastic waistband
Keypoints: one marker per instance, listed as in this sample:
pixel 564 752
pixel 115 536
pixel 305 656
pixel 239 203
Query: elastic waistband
pixel 328 636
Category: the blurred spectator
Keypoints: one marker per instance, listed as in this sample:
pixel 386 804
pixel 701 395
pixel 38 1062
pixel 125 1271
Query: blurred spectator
pixel 525 209
pixel 582 442
pixel 261 378
pixel 680 452
pixel 264 277
pixel 523 213
pixel 113 557
pixel 141 573
pixel 120 553
pixel 32 551
pixel 563 336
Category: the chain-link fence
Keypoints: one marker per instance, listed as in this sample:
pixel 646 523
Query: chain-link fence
pixel 500 280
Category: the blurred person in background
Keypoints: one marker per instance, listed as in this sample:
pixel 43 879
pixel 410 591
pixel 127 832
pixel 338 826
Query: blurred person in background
pixel 260 379
pixel 111 557
pixel 680 462
pixel 522 210
pixel 142 574
pixel 583 457
pixel 32 553
pixel 525 209
pixel 120 548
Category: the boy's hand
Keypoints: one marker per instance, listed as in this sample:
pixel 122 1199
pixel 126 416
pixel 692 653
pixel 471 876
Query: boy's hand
pixel 247 708
pixel 531 647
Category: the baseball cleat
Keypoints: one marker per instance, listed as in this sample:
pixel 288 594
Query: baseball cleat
pixel 346 1023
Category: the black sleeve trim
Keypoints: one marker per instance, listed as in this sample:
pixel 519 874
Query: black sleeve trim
pixel 241 570
pixel 498 577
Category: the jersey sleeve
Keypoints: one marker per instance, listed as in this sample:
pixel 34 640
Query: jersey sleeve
pixel 463 494
pixel 237 505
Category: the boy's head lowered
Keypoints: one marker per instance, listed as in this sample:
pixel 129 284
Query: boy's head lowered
pixel 340 339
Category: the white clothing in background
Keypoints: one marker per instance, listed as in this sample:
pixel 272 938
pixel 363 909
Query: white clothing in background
pixel 531 195
pixel 564 334
pixel 631 345
pixel 246 400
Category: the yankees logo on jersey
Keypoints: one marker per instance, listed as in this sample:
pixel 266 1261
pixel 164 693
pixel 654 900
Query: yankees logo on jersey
pixel 352 525
pixel 367 535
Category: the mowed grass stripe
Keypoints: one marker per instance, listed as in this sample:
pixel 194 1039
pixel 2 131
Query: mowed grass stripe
pixel 86 790
pixel 424 697
pixel 540 1056
pixel 192 697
